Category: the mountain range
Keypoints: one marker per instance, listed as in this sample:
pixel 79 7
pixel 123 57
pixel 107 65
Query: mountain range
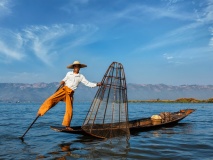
pixel 38 92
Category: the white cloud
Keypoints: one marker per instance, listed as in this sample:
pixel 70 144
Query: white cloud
pixel 190 55
pixel 44 41
pixel 211 39
pixel 135 12
pixel 10 53
pixel 173 59
pixel 165 13
pixel 138 11
pixel 189 33
pixel 165 40
pixel 209 18
pixel 10 45
pixel 5 8
pixel 167 56
pixel 208 12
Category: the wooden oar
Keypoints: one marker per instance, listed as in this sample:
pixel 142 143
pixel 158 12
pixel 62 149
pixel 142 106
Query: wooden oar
pixel 22 137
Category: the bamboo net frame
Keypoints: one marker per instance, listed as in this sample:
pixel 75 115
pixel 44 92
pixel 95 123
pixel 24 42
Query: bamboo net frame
pixel 108 114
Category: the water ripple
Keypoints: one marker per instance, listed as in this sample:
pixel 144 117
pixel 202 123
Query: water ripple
pixel 190 139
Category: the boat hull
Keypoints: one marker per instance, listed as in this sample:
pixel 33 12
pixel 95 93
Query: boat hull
pixel 138 125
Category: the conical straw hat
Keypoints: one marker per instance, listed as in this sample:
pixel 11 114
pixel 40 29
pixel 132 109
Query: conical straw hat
pixel 76 63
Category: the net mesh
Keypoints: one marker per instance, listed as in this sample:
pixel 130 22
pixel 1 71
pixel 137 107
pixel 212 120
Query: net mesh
pixel 108 114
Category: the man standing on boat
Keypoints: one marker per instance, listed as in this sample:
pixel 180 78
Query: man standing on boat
pixel 65 93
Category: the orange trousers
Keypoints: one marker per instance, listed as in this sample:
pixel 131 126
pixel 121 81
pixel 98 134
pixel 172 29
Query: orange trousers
pixel 63 94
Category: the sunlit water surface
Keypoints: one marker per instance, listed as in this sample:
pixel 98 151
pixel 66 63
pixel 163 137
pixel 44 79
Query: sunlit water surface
pixel 192 138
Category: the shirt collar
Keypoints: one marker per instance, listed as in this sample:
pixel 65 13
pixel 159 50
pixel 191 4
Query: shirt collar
pixel 76 75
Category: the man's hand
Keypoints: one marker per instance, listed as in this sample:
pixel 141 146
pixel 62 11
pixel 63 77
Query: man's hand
pixel 99 84
pixel 62 83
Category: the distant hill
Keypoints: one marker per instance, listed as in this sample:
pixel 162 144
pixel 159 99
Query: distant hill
pixel 38 92
pixel 169 92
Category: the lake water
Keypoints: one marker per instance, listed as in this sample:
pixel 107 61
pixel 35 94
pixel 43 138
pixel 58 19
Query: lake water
pixel 192 138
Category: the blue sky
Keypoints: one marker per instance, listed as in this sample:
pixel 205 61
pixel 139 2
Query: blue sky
pixel 157 41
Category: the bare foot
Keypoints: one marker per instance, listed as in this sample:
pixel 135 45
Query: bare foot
pixel 69 128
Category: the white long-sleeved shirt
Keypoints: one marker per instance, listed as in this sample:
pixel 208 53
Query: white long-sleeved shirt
pixel 72 80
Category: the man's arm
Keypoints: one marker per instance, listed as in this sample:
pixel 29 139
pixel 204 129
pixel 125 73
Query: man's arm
pixel 89 84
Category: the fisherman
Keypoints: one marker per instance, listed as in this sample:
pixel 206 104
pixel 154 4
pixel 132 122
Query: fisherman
pixel 65 93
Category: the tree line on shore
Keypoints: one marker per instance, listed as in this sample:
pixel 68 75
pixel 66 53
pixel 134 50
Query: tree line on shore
pixel 180 100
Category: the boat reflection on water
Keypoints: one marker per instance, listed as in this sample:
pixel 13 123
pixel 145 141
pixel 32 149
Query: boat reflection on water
pixel 180 128
pixel 87 147
pixel 94 148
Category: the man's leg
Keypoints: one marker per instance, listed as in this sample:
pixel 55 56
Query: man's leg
pixel 69 111
pixel 51 101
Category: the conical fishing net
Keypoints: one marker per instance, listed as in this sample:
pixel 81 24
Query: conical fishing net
pixel 108 114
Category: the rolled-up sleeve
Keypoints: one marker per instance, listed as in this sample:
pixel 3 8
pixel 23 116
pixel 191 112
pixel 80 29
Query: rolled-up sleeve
pixel 65 78
pixel 87 83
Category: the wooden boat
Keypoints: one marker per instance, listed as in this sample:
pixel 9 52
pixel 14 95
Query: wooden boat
pixel 138 125
pixel 108 113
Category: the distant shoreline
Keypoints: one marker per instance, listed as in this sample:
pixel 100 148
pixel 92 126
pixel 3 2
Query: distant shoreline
pixel 180 100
